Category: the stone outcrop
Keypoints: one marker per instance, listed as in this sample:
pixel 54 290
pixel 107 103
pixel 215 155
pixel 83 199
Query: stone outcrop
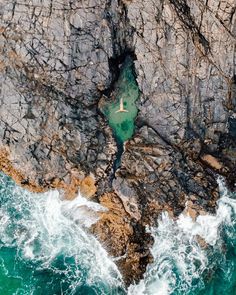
pixel 186 67
pixel 58 58
pixel 55 61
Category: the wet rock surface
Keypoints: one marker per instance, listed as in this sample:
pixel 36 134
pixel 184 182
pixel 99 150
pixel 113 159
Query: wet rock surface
pixel 57 59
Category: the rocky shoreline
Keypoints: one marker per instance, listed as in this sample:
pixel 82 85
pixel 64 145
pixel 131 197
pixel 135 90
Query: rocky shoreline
pixel 59 59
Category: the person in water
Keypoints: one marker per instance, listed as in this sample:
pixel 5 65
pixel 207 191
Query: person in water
pixel 121 109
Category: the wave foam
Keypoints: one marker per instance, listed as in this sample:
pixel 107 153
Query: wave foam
pixel 45 229
pixel 180 263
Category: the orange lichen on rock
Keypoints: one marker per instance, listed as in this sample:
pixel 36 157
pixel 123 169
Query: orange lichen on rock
pixel 115 230
pixel 88 187
pixel 7 167
pixel 70 189
pixel 193 210
pixel 113 225
pixel 85 186
pixel 2 66
pixel 212 161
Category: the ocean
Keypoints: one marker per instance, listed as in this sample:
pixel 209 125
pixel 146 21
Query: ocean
pixel 45 248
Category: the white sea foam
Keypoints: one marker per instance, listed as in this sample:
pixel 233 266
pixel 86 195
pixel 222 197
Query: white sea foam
pixel 179 260
pixel 43 226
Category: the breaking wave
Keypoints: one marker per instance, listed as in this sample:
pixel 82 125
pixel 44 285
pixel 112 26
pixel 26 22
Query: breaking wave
pixel 184 263
pixel 45 248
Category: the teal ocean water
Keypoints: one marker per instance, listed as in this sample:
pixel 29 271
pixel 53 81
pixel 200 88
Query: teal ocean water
pixel 45 249
pixel 182 266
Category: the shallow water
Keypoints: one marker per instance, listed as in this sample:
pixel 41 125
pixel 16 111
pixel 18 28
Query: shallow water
pixel 126 87
pixel 45 249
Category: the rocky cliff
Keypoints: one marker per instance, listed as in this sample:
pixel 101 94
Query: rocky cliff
pixel 59 58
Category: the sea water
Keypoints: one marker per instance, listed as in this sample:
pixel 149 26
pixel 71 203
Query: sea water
pixel 182 265
pixel 45 248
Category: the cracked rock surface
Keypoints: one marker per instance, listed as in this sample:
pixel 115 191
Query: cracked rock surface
pixel 54 64
pixel 58 58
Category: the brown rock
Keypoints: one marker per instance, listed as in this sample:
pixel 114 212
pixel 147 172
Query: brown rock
pixel 193 210
pixel 202 242
pixel 212 161
pixel 123 239
pixel 21 178
pixel 18 176
pixel 88 187
pixel 113 228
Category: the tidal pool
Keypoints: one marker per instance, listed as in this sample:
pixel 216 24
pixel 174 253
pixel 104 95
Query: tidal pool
pixel 126 92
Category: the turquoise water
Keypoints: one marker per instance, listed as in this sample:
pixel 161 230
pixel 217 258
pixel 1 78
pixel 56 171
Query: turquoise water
pixel 182 266
pixel 45 249
pixel 126 88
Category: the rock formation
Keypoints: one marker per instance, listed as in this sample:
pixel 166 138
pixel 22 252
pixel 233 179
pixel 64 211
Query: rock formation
pixel 58 58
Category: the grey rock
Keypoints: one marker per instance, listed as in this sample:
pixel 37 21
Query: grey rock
pixel 56 62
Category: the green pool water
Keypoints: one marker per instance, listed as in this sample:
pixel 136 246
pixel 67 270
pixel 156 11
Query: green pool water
pixel 126 87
